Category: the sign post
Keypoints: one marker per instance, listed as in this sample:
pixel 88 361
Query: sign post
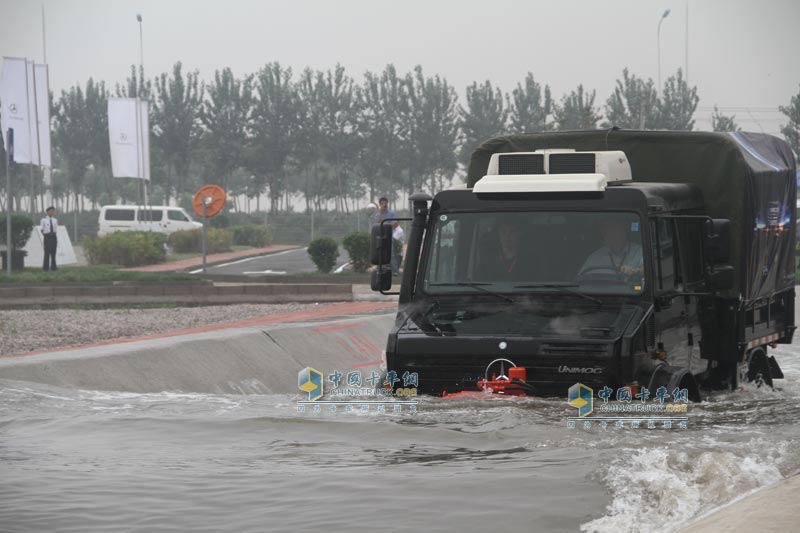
pixel 9 167
pixel 207 202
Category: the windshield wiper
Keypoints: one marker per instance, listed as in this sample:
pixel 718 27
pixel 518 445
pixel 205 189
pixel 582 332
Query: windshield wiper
pixel 474 285
pixel 563 287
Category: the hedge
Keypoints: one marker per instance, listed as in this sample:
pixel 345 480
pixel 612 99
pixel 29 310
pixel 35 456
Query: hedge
pixel 21 228
pixel 257 235
pixel 357 245
pixel 126 248
pixel 323 252
pixel 191 241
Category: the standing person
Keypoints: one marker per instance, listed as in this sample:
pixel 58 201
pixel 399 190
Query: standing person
pixel 49 229
pixel 398 243
pixel 383 212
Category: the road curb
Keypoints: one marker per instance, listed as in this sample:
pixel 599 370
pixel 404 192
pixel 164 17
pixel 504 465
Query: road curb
pixel 161 293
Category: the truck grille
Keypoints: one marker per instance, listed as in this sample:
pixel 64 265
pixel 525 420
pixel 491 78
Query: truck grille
pixel 454 373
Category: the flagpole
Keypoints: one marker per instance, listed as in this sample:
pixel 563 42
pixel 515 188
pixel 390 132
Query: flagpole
pixel 140 126
pixel 46 172
pixel 38 139
pixel 30 134
pixel 9 160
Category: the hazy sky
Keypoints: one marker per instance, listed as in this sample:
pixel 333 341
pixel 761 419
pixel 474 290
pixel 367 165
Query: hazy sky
pixel 743 55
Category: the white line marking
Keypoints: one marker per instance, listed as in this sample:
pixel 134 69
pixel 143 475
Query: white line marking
pixel 267 272
pixel 341 268
pixel 257 257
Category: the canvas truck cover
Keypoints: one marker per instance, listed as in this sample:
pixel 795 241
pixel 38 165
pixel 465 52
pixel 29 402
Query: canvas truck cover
pixel 748 178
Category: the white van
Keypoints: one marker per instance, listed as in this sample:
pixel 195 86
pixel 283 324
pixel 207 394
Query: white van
pixel 161 218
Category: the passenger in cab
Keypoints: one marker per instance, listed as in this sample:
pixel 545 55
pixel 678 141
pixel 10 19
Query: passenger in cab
pixel 501 256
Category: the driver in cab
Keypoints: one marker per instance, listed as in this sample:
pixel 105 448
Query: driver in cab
pixel 619 254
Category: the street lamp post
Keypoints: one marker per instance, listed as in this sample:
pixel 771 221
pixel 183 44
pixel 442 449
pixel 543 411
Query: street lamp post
pixel 141 132
pixel 665 15
pixel 141 47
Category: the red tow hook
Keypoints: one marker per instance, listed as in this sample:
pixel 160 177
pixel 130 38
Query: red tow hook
pixel 504 385
pixel 515 384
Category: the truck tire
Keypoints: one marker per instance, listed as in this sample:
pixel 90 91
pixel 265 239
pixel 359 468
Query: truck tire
pixel 671 377
pixel 758 367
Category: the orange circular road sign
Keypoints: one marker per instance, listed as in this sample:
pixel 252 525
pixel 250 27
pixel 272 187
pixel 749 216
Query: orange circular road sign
pixel 216 202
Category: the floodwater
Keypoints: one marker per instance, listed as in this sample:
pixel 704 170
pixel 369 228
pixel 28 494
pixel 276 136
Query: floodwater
pixel 84 461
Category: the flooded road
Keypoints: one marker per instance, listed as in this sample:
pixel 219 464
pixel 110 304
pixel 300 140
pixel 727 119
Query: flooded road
pixel 73 460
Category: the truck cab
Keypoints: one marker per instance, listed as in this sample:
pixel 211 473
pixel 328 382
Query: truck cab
pixel 559 261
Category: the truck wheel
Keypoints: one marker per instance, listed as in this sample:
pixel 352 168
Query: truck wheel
pixel 672 378
pixel 683 379
pixel 758 368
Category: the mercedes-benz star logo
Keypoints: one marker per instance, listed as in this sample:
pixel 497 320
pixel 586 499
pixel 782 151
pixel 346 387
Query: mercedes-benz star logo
pixel 13 108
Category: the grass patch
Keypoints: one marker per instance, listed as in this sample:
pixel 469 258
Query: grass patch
pixel 88 274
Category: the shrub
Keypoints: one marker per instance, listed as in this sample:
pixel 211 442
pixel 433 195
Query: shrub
pixel 323 252
pixel 21 227
pixel 191 241
pixel 126 248
pixel 357 245
pixel 256 235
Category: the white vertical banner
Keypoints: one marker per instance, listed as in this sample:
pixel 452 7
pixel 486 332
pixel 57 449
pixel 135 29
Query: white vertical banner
pixel 124 134
pixel 42 78
pixel 33 118
pixel 144 138
pixel 14 111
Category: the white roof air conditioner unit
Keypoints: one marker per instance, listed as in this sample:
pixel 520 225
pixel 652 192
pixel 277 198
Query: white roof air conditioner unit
pixel 554 170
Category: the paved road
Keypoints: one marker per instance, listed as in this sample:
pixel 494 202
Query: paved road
pixel 288 262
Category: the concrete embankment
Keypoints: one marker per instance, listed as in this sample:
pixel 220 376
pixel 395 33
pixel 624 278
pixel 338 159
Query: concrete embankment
pixel 774 508
pixel 250 356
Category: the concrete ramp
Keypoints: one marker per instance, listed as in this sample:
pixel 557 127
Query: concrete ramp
pixel 263 359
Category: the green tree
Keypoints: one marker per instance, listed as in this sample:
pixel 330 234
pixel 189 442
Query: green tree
pixel 576 111
pixel 309 139
pixel 224 115
pixel 677 104
pixel 81 133
pixel 484 117
pixel 339 130
pixel 433 117
pixel 633 104
pixel 135 85
pixel 177 105
pixel 385 128
pixel 529 107
pixel 720 122
pixel 274 127
pixel 792 130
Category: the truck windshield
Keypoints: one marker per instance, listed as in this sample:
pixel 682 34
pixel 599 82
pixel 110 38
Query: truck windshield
pixel 517 252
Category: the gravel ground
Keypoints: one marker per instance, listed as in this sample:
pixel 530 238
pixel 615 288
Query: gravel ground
pixel 29 330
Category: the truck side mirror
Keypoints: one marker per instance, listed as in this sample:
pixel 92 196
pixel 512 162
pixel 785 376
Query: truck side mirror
pixel 722 279
pixel 718 240
pixel 380 245
pixel 381 279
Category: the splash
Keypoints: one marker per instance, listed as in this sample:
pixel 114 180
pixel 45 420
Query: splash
pixel 662 488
